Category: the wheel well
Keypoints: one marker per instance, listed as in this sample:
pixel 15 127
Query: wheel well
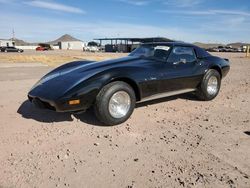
pixel 132 84
pixel 218 69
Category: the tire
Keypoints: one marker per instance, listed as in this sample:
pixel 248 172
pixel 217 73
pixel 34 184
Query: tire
pixel 105 106
pixel 210 86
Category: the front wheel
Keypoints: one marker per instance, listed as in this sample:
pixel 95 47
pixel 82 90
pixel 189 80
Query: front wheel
pixel 210 85
pixel 115 103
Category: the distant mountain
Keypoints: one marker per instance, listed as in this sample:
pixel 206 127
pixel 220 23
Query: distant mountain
pixel 64 38
pixel 207 45
pixel 211 45
pixel 238 44
pixel 19 42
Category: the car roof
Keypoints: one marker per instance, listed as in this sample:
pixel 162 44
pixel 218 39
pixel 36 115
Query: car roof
pixel 170 44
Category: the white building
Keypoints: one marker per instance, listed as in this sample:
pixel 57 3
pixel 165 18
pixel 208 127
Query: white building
pixel 71 45
pixel 6 42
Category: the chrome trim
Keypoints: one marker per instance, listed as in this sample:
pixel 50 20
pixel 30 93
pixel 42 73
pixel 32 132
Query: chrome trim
pixel 167 94
pixel 119 104
pixel 212 85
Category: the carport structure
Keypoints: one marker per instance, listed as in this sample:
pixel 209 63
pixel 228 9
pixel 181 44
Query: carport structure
pixel 128 44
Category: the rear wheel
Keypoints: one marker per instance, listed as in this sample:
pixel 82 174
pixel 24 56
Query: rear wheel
pixel 115 103
pixel 210 85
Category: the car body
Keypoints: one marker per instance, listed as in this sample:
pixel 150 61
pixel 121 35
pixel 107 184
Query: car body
pixel 91 49
pixel 10 49
pixel 41 48
pixel 151 71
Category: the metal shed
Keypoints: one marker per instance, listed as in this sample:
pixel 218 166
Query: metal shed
pixel 127 44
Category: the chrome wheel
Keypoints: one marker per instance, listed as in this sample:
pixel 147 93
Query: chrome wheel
pixel 119 104
pixel 212 85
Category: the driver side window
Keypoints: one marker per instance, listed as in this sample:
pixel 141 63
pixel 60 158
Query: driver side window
pixel 180 53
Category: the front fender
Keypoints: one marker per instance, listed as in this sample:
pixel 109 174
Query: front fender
pixel 90 87
pixel 219 64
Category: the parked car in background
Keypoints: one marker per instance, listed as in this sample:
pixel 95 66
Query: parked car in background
pixel 212 50
pixel 44 47
pixel 40 48
pixel 221 48
pixel 90 48
pixel 11 49
pixel 224 49
pixel 113 87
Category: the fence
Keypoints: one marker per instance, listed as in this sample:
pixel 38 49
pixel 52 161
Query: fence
pixel 34 47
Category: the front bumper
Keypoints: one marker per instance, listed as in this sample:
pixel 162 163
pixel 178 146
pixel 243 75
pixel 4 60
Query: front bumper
pixel 59 106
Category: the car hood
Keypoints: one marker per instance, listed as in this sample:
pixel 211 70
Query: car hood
pixel 83 66
pixel 62 79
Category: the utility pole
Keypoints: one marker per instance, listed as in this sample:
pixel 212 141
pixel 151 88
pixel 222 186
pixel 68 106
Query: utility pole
pixel 13 34
pixel 13 37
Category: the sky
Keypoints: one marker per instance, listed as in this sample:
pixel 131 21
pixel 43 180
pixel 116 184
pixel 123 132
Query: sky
pixel 210 21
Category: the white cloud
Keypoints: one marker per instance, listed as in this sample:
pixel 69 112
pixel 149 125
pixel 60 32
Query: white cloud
pixel 183 3
pixel 223 29
pixel 206 12
pixel 136 2
pixel 231 12
pixel 182 12
pixel 176 3
pixel 35 29
pixel 55 6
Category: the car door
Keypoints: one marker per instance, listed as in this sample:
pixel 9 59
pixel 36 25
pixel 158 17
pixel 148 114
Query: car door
pixel 14 49
pixel 181 70
pixel 151 80
pixel 10 49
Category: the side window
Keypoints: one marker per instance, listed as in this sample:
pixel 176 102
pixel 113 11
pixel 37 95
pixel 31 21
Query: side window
pixel 161 52
pixel 180 53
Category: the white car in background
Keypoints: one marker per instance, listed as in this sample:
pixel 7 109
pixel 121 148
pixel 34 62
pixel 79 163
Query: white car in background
pixel 91 49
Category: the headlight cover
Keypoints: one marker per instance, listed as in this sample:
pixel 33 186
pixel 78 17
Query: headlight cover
pixel 45 79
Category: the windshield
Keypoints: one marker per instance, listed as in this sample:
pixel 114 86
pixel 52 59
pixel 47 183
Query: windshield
pixel 149 51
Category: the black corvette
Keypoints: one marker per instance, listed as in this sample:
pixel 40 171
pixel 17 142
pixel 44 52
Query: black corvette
pixel 113 87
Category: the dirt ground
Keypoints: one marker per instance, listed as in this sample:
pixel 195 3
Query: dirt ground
pixel 171 142
pixel 55 57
